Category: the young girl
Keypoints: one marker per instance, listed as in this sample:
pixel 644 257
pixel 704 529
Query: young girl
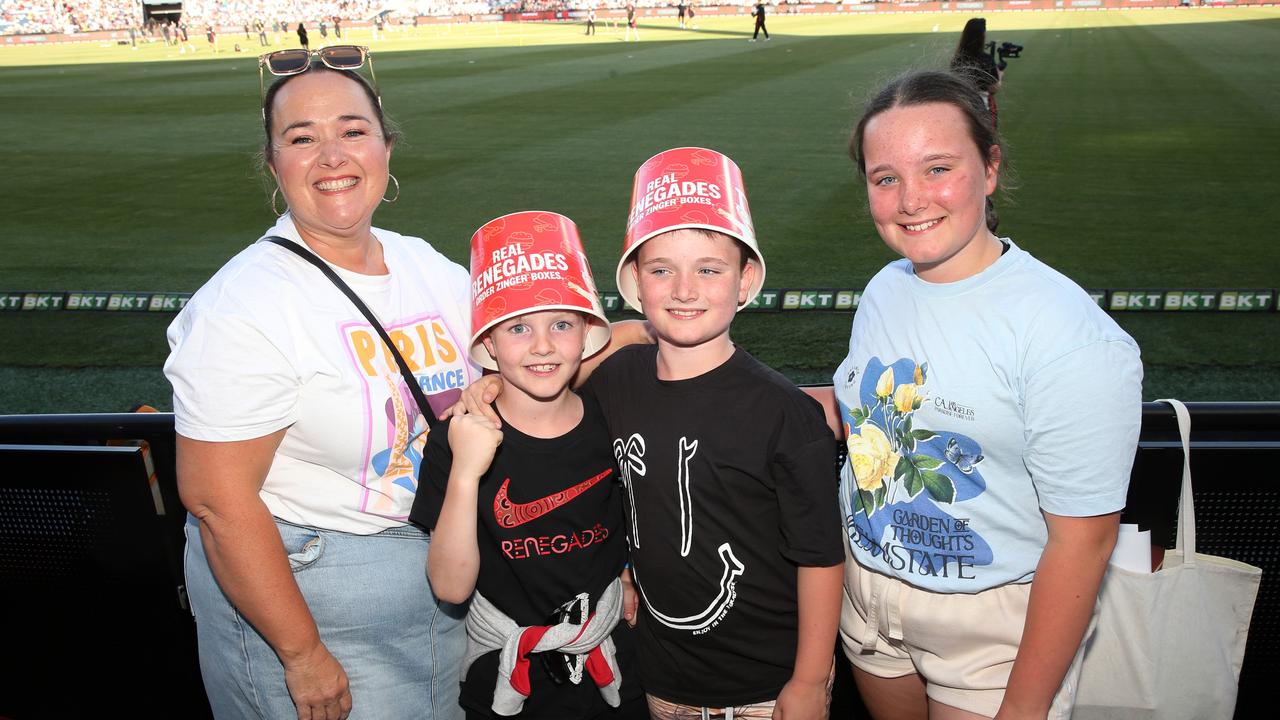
pixel 992 412
pixel 529 516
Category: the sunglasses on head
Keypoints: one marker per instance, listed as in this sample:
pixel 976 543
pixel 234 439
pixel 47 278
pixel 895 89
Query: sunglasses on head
pixel 336 57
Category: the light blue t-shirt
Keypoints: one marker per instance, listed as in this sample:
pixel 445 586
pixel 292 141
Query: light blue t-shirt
pixel 972 406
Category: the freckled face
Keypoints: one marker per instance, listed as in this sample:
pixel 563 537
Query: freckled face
pixel 927 186
pixel 329 155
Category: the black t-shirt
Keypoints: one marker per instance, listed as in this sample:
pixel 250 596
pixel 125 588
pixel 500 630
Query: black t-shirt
pixel 732 484
pixel 550 527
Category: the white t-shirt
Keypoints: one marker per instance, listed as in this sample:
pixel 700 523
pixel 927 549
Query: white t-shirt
pixel 269 343
pixel 972 406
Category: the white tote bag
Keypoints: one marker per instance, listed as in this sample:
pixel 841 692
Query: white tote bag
pixel 1169 644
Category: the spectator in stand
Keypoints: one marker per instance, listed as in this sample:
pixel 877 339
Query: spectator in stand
pixel 309 584
pixel 994 625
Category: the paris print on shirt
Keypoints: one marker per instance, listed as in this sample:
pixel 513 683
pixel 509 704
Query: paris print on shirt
pixel 901 487
pixel 630 456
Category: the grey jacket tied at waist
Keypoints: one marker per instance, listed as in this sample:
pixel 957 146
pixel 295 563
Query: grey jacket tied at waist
pixel 488 629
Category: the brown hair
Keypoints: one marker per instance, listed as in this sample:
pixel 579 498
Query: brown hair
pixel 744 254
pixel 390 133
pixel 933 86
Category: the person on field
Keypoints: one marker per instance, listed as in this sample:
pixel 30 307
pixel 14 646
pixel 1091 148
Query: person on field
pixel 972 62
pixel 631 24
pixel 758 13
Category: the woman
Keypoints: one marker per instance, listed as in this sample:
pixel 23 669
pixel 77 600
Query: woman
pixel 975 64
pixel 302 37
pixel 298 441
pixel 992 413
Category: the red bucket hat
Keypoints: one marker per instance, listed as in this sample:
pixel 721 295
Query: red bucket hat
pixel 529 261
pixel 687 187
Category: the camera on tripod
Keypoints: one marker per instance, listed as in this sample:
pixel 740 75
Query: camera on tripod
pixel 1002 51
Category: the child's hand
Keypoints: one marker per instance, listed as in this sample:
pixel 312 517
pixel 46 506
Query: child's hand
pixel 477 399
pixel 473 439
pixel 802 701
pixel 630 600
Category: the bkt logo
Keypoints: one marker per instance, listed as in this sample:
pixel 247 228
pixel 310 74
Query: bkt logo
pixel 1190 300
pixel 821 299
pixel 766 300
pixel 1246 300
pixel 1136 300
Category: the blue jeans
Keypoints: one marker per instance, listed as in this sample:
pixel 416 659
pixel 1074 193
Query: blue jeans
pixel 400 646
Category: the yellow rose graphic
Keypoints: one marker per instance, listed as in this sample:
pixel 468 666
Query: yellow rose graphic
pixel 904 398
pixel 919 376
pixel 872 458
pixel 884 386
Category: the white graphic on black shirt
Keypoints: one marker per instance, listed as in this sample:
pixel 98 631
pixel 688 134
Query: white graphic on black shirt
pixel 687 451
pixel 630 457
pixel 733 568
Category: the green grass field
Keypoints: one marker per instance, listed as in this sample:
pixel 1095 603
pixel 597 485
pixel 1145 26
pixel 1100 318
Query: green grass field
pixel 1143 145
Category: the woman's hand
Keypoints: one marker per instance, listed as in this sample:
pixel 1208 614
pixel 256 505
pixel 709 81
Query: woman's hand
pixel 318 685
pixel 473 439
pixel 477 399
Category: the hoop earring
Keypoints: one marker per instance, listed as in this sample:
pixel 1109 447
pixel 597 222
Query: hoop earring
pixel 397 197
pixel 275 194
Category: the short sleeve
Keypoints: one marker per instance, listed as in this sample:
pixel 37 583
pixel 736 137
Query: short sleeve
pixel 1083 415
pixel 596 387
pixel 807 486
pixel 230 380
pixel 433 478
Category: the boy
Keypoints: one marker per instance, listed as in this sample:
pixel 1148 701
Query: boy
pixel 729 468
pixel 530 516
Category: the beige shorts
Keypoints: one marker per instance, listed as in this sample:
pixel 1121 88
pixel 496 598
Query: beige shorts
pixel 961 645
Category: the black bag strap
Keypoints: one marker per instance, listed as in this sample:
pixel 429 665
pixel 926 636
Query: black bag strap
pixel 323 267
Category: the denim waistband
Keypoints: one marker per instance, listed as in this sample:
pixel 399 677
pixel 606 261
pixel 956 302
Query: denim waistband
pixel 407 531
